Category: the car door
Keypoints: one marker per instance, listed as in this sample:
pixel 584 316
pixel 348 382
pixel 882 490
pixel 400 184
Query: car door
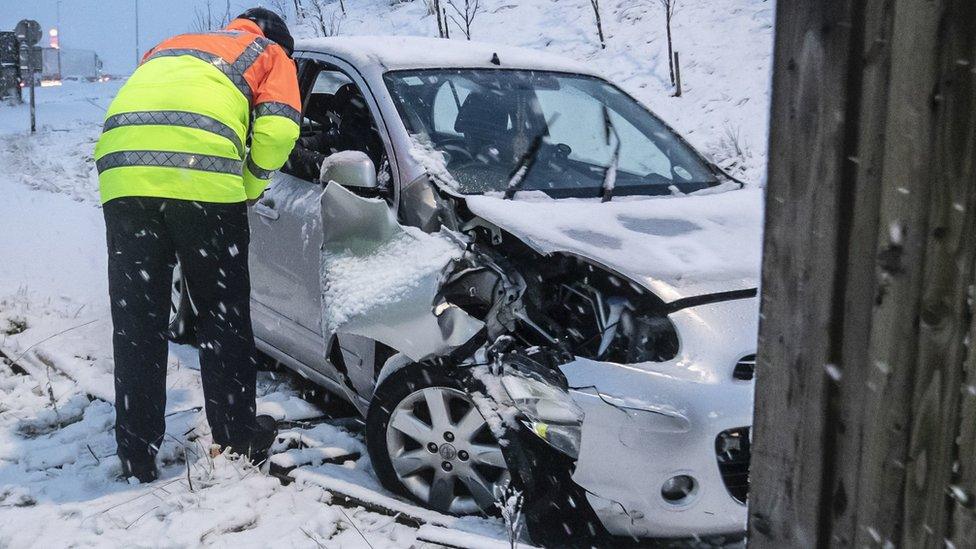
pixel 287 222
pixel 286 236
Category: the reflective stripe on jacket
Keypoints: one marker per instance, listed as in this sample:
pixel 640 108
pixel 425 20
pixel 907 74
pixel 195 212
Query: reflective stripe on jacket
pixel 178 128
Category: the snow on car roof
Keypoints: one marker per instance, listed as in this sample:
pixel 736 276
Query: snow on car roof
pixel 416 52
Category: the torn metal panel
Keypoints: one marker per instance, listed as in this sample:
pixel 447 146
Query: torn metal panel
pixel 358 356
pixel 422 206
pixel 366 222
pixel 379 279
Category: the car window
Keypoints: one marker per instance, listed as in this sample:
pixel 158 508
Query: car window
pixel 585 134
pixel 447 106
pixel 336 118
pixel 485 123
pixel 329 82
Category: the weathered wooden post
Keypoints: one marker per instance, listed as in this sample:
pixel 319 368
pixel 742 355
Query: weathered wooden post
pixel 865 427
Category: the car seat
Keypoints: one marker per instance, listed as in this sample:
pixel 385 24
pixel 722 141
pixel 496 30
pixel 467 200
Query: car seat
pixel 483 119
pixel 357 131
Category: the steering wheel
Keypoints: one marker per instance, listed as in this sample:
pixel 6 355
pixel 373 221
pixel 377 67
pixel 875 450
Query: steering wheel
pixel 456 152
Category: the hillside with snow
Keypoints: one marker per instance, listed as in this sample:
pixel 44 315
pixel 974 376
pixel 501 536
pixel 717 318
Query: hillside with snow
pixel 725 49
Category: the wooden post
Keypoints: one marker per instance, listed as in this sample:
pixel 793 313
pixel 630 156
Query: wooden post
pixel 865 426
pixel 677 76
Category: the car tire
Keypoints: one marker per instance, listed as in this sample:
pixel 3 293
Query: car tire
pixel 556 511
pixel 446 456
pixel 554 508
pixel 181 315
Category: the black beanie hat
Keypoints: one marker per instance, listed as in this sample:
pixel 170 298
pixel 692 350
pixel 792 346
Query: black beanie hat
pixel 273 27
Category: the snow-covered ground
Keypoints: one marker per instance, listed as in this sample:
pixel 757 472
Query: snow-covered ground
pixel 57 469
pixel 58 485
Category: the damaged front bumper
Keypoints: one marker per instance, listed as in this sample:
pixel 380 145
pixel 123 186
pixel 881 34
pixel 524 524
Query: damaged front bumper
pixel 666 423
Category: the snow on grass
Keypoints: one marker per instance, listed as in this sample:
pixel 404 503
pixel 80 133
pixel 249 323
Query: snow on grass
pixel 57 445
pixel 57 466
pixel 59 157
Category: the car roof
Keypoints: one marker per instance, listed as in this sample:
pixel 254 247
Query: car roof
pixel 415 52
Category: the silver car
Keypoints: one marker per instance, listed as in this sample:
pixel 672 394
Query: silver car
pixel 522 279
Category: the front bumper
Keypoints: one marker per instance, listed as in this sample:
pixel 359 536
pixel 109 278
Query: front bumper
pixel 647 423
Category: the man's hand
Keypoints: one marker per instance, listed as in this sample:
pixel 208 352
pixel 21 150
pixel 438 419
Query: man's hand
pixel 252 201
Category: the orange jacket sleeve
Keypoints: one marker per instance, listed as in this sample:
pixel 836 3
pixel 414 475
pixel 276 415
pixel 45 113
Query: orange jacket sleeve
pixel 276 114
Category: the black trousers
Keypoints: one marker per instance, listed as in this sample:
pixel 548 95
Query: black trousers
pixel 145 237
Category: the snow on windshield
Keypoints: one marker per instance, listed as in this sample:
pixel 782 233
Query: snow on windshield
pixel 565 131
pixel 431 160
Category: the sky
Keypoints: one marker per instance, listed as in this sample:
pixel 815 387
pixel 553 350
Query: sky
pixel 108 26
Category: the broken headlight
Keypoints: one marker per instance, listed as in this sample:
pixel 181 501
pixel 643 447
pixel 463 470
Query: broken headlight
pixel 550 412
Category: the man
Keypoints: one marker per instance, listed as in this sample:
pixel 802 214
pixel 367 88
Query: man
pixel 175 175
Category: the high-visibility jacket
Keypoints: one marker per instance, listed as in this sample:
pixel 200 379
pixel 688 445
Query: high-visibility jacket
pixel 179 127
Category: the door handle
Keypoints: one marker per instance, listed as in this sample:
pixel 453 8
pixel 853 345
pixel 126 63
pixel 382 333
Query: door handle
pixel 266 210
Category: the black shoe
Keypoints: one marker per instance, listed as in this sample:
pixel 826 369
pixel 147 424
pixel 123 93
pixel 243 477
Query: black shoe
pixel 264 436
pixel 141 472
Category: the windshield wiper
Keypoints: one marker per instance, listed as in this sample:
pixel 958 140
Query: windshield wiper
pixel 610 174
pixel 525 162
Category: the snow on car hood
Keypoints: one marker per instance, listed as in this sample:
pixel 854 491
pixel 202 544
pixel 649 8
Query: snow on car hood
pixel 678 246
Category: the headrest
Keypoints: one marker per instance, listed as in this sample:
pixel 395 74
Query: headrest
pixel 348 99
pixel 482 112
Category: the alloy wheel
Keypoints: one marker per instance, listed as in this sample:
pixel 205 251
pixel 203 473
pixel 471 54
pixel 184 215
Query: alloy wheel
pixel 444 453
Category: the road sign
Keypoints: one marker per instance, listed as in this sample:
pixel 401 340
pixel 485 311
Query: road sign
pixel 29 31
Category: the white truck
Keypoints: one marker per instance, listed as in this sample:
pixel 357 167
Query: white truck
pixel 72 64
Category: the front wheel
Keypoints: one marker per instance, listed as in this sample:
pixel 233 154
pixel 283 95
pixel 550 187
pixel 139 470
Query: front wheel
pixel 429 442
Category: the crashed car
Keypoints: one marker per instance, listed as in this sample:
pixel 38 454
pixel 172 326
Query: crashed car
pixel 522 279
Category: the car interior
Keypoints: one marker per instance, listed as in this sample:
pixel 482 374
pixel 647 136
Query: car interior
pixel 336 118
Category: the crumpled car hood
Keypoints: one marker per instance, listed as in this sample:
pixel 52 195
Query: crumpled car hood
pixel 676 246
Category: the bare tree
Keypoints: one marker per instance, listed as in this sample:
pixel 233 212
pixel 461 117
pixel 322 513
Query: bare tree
pixel 669 7
pixel 327 21
pixel 466 15
pixel 280 7
pixel 599 22
pixel 300 12
pixel 434 8
pixel 204 18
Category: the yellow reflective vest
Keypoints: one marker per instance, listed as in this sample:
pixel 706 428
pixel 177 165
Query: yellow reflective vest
pixel 179 127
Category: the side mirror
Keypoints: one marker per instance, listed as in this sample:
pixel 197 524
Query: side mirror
pixel 351 169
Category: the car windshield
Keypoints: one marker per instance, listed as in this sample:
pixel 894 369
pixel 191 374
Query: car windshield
pixel 486 123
